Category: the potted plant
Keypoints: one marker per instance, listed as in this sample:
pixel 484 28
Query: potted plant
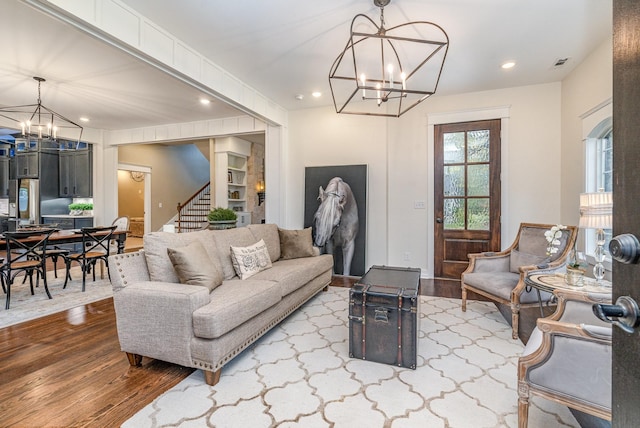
pixel 81 208
pixel 575 270
pixel 222 218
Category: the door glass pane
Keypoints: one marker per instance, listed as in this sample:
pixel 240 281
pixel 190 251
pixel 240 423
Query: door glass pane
pixel 478 180
pixel 478 214
pixel 454 180
pixel 453 147
pixel 454 213
pixel 478 146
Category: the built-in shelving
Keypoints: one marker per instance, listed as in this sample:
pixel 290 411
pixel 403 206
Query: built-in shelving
pixel 231 163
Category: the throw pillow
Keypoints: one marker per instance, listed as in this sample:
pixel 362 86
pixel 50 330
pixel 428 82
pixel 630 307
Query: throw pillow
pixel 248 261
pixel 518 259
pixel 295 243
pixel 193 266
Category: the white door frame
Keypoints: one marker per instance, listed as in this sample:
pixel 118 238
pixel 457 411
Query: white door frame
pixel 147 189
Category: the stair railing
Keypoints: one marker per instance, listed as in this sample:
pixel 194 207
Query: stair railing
pixel 189 205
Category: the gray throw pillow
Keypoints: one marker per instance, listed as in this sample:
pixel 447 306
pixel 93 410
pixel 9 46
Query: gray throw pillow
pixel 295 243
pixel 194 266
pixel 518 259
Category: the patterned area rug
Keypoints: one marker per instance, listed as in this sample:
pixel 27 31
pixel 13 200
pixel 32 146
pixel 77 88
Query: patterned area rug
pixel 300 374
pixel 25 307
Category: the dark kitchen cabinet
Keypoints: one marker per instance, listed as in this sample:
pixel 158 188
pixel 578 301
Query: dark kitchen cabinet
pixel 4 177
pixel 27 165
pixel 75 173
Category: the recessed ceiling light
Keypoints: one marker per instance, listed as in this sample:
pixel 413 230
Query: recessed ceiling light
pixel 84 119
pixel 299 97
pixel 204 101
pixel 316 94
pixel 508 65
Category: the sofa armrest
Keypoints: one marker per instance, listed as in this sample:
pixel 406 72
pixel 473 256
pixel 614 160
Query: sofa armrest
pixel 127 268
pixel 154 319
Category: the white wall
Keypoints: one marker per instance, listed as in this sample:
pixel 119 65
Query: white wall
pixel 588 86
pixel 400 165
pixel 320 137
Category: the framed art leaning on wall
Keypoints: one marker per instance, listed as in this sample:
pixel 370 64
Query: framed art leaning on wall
pixel 336 209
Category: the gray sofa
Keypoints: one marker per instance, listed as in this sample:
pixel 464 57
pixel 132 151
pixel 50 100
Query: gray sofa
pixel 160 316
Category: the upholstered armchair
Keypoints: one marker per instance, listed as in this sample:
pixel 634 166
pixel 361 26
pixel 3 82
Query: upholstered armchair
pixel 499 276
pixel 568 358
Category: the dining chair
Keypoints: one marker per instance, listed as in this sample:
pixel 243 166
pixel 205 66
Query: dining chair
pixel 25 253
pixel 121 223
pixel 96 246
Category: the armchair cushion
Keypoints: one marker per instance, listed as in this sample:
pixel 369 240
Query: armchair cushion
pixel 193 266
pixel 501 284
pixel 498 283
pixel 519 258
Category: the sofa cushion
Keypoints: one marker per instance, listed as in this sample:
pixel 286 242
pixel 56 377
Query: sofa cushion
pixel 155 251
pixel 518 258
pixel 248 261
pixel 292 274
pixel 193 266
pixel 224 239
pixel 295 243
pixel 233 303
pixel 269 234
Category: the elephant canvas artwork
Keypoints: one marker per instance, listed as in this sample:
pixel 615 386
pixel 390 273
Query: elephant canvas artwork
pixel 336 209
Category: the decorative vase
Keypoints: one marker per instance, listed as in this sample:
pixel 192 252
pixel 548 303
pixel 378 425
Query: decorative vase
pixel 574 277
pixel 222 224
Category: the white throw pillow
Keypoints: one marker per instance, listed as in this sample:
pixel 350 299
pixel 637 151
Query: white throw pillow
pixel 248 261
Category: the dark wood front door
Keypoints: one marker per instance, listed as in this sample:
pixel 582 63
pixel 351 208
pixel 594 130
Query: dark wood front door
pixel 467 193
pixel 626 201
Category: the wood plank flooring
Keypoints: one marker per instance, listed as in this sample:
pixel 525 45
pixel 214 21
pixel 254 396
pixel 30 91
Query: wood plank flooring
pixel 67 370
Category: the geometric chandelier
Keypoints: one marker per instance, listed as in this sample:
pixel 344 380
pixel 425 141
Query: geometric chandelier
pixel 387 71
pixel 38 121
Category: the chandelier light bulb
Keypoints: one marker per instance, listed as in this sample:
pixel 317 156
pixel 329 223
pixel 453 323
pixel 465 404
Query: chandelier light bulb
pixel 363 80
pixel 403 77
pixel 390 70
pixel 378 87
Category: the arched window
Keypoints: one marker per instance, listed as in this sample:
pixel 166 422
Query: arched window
pixel 599 165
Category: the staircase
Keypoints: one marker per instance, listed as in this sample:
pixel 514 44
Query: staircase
pixel 192 215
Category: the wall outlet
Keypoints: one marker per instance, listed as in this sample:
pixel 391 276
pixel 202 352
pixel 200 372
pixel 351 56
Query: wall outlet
pixel 406 256
pixel 419 205
pixel 159 204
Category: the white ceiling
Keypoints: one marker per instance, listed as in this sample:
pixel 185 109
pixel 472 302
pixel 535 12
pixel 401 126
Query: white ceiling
pixel 281 48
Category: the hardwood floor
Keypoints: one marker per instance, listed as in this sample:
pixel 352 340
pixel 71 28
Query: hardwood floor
pixel 67 369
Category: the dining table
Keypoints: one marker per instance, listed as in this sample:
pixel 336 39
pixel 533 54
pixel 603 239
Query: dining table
pixel 73 236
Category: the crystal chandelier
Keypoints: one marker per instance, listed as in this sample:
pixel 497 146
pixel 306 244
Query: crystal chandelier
pixel 387 71
pixel 39 121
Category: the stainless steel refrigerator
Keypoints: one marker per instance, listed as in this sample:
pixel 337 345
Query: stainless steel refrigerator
pixel 24 201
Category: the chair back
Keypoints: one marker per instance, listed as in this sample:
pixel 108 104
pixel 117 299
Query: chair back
pixel 531 240
pixel 121 223
pixel 26 245
pixel 97 240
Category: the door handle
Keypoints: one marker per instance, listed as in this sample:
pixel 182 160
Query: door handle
pixel 439 220
pixel 624 314
pixel 625 248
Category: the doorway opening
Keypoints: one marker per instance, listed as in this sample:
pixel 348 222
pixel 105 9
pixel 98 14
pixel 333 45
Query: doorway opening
pixel 134 197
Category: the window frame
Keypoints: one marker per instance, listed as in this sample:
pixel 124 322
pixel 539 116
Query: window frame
pixel 597 131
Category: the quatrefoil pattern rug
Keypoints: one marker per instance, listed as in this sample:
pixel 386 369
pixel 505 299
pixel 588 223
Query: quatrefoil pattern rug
pixel 300 374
